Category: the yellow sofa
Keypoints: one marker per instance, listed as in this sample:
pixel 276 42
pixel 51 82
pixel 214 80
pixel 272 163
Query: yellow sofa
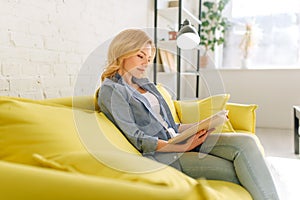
pixel 64 149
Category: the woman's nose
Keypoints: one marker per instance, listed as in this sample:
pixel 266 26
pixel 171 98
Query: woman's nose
pixel 145 62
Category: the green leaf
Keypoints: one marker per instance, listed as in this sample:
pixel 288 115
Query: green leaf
pixel 209 5
pixel 205 23
pixel 221 41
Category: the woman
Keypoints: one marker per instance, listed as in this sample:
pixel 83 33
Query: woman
pixel 135 106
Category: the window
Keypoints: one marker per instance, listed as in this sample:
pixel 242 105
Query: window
pixel 273 39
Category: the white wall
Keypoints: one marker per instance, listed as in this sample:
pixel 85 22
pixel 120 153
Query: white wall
pixel 274 90
pixel 43 43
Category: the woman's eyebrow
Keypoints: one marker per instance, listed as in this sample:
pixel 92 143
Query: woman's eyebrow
pixel 145 54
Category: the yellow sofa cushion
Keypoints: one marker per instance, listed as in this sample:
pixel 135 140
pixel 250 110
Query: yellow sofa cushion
pixel 243 116
pixel 118 165
pixel 82 102
pixel 190 111
pixel 226 190
pixel 59 185
pixel 167 97
pixel 81 141
pixel 28 127
pixel 80 162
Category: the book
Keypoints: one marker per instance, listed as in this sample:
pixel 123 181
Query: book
pixel 164 60
pixel 167 60
pixel 171 61
pixel 209 123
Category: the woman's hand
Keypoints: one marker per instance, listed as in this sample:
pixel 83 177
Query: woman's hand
pixel 195 140
pixel 189 144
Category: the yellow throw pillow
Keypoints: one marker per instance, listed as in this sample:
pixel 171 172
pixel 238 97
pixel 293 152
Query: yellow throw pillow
pixel 167 97
pixel 29 126
pixel 190 111
pixel 243 116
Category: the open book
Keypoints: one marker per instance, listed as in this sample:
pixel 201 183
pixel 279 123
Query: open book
pixel 207 124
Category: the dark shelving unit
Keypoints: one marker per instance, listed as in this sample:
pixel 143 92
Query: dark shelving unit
pixel 178 50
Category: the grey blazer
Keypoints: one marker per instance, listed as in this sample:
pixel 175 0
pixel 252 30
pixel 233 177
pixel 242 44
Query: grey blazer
pixel 132 114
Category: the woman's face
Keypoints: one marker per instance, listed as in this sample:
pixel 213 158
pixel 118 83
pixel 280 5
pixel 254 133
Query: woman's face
pixel 137 64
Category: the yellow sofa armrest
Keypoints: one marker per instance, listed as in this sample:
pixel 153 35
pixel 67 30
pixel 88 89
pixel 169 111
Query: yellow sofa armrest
pixel 242 116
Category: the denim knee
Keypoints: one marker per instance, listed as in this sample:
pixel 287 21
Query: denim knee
pixel 249 142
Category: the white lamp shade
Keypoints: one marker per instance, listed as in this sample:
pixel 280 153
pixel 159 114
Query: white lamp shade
pixel 188 41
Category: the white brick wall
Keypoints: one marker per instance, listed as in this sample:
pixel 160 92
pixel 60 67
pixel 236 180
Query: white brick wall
pixel 43 44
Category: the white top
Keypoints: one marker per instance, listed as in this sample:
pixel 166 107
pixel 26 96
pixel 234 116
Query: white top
pixel 156 109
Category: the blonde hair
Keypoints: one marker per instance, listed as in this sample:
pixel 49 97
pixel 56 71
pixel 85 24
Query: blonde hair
pixel 124 45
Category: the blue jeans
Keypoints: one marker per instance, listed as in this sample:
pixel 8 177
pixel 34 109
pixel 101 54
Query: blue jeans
pixel 234 157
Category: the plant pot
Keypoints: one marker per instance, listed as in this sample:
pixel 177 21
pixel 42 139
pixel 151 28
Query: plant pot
pixel 245 63
pixel 172 35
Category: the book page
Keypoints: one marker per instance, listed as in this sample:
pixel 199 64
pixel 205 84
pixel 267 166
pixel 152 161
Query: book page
pixel 211 122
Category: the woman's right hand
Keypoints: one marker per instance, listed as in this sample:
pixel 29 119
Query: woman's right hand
pixel 189 144
pixel 195 140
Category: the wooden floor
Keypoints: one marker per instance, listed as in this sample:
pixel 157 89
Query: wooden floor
pixel 277 142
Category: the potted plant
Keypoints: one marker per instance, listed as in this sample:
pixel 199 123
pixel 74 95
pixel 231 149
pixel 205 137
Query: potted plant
pixel 213 26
